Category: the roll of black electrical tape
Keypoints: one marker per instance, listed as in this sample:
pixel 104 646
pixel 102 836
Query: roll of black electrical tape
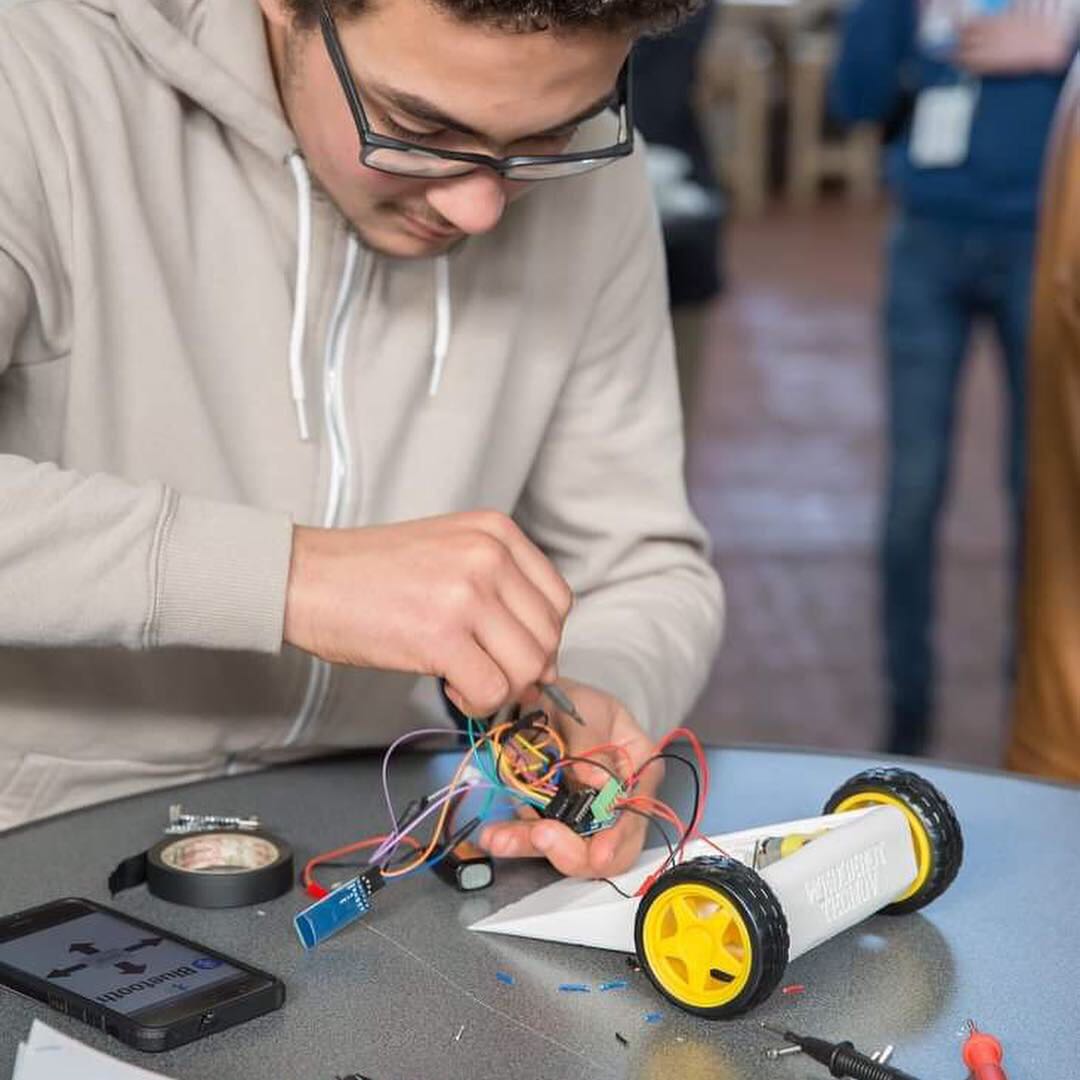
pixel 211 870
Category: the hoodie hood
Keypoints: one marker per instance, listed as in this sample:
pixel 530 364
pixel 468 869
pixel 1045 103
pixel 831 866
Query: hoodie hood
pixel 214 52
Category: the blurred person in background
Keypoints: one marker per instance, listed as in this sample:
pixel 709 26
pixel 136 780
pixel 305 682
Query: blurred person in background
pixel 967 95
pixel 1046 730
pixel 684 186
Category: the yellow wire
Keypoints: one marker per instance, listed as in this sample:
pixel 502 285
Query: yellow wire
pixel 531 785
pixel 510 778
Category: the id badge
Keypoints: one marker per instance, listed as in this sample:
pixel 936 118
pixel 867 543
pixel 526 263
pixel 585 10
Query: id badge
pixel 941 125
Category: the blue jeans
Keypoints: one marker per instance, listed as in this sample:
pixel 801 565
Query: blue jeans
pixel 941 277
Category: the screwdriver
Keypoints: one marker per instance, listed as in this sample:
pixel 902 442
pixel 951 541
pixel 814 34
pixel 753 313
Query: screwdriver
pixel 842 1059
pixel 561 701
pixel 983 1054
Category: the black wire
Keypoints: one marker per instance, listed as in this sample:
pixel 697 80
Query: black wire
pixel 659 828
pixel 668 755
pixel 597 764
pixel 622 892
pixel 576 760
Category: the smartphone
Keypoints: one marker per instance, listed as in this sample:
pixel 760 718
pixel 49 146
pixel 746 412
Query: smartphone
pixel 149 988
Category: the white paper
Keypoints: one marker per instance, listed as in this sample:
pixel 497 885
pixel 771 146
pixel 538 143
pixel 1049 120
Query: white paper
pixel 48 1055
pixel 591 913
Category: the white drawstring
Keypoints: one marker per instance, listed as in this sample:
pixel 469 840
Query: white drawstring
pixel 442 323
pixel 300 300
pixel 443 308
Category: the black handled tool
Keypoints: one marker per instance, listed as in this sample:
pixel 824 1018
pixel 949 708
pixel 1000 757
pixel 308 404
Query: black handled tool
pixel 841 1059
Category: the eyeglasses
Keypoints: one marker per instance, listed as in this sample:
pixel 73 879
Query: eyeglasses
pixel 403 158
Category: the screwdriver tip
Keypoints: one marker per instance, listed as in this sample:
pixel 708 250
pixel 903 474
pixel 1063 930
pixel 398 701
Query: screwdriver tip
pixel 562 701
pixel 775 1030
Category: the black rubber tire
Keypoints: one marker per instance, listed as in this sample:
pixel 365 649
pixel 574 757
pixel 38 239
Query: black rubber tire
pixel 761 911
pixel 937 818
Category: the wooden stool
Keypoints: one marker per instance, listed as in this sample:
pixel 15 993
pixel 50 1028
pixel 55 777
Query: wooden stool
pixel 734 89
pixel 811 157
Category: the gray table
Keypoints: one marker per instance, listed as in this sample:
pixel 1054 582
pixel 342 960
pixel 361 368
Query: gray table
pixel 386 997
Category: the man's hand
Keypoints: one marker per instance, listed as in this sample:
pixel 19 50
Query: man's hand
pixel 613 850
pixel 466 596
pixel 1015 43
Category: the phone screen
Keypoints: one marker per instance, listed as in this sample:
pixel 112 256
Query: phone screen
pixel 115 964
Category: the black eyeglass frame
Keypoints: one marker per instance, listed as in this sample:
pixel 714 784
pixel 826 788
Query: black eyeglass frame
pixel 371 140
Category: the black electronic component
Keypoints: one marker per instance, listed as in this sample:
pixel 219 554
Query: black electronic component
pixel 556 809
pixel 527 721
pixel 465 867
pixel 573 807
pixel 372 879
pixel 578 813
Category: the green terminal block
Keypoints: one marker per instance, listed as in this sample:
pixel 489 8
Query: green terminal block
pixel 602 806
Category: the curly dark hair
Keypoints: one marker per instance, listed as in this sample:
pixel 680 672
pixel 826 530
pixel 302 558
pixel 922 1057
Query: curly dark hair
pixel 633 16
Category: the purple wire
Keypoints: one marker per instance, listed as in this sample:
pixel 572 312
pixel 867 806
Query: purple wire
pixel 407 737
pixel 391 842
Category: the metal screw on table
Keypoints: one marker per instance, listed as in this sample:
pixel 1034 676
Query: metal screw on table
pixel 783 1051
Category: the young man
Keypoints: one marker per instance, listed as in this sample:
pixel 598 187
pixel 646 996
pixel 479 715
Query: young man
pixel 267 344
pixel 970 90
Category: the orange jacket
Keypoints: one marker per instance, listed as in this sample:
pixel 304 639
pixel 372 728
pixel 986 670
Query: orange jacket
pixel 1046 729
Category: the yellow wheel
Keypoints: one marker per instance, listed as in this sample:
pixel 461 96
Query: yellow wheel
pixel 935 833
pixel 712 937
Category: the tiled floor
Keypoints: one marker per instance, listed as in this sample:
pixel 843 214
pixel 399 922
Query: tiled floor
pixel 784 462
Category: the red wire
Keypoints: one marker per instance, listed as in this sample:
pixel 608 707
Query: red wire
pixel 656 808
pixel 616 748
pixel 694 831
pixel 313 888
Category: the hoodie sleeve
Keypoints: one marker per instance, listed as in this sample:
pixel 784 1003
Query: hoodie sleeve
pixel 876 46
pixel 607 500
pixel 94 559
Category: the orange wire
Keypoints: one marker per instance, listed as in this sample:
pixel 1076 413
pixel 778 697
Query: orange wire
pixel 348 849
pixel 433 843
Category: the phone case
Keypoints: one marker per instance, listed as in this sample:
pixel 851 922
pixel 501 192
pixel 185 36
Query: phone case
pixel 261 994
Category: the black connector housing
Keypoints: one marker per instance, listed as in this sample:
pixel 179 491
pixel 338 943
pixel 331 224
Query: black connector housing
pixel 572 807
pixel 371 879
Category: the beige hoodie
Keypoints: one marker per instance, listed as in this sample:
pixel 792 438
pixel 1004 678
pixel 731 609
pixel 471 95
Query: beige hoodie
pixel 175 301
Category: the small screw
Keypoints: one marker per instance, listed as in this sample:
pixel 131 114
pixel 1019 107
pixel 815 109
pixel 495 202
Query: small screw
pixel 783 1051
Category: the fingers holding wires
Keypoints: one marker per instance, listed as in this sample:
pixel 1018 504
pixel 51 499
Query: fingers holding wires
pixel 584 795
pixel 616 850
pixel 539 839
pixel 608 759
